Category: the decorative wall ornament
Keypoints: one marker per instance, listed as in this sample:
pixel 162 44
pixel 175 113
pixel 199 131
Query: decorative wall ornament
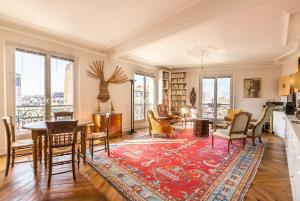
pixel 193 97
pixel 118 77
pixel 252 88
pixel 201 52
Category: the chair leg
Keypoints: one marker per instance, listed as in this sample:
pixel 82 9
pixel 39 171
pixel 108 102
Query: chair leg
pixel 244 143
pixel 229 141
pixel 92 148
pixel 253 140
pixel 13 157
pixel 260 139
pixel 212 140
pixel 107 143
pixel 7 163
pixel 78 157
pixel 73 163
pixel 50 167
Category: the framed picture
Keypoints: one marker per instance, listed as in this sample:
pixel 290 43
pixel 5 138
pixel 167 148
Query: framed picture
pixel 252 88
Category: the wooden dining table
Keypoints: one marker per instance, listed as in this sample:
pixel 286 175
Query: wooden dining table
pixel 39 132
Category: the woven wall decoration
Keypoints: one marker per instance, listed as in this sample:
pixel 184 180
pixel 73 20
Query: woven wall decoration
pixel 118 77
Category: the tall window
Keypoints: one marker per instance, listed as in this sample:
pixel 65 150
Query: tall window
pixel 216 96
pixel 143 95
pixel 43 84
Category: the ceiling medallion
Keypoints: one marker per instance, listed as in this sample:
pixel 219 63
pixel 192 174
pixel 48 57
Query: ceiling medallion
pixel 201 52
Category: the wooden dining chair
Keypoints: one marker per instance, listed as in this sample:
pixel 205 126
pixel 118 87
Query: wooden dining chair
pixel 15 148
pixel 62 138
pixel 63 115
pixel 101 137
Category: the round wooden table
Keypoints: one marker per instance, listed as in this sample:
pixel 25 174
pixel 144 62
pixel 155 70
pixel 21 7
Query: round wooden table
pixel 39 131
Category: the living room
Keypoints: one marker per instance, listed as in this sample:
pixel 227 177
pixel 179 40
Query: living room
pixel 202 67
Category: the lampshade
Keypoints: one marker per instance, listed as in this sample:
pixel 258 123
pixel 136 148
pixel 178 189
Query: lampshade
pixel 295 81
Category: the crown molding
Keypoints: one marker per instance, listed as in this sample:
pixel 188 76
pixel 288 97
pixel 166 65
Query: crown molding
pixel 295 48
pixel 192 16
pixel 11 25
pixel 250 64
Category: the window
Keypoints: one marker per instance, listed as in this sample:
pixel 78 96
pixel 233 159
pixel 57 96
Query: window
pixel 143 95
pixel 41 89
pixel 216 96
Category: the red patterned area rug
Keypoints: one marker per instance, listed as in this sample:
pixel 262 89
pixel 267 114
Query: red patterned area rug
pixel 184 168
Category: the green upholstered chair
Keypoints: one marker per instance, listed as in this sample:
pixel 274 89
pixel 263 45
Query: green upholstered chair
pixel 256 129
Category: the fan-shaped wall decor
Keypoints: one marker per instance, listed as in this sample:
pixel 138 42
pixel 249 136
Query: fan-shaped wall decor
pixel 118 77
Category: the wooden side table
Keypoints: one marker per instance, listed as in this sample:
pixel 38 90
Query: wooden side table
pixel 201 127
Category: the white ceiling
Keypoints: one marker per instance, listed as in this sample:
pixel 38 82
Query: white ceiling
pixel 255 34
pixel 100 21
pixel 160 32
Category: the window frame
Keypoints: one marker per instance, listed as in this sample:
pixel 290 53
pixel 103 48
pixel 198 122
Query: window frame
pixel 10 72
pixel 145 84
pixel 215 77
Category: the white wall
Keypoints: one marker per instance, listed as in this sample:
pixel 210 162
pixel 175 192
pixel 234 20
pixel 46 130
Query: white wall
pixel 269 79
pixel 87 88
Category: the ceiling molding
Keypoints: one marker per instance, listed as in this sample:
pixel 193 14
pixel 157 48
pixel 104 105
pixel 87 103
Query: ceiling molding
pixel 136 63
pixel 263 63
pixel 286 21
pixel 233 66
pixel 195 15
pixel 295 48
pixel 11 25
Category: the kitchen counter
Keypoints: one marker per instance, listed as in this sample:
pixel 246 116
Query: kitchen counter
pixel 295 126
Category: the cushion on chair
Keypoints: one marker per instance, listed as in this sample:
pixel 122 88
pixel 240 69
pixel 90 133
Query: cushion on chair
pixel 97 135
pixel 225 134
pixel 22 143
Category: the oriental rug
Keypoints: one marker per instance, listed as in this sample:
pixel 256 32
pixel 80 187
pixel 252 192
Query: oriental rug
pixel 183 168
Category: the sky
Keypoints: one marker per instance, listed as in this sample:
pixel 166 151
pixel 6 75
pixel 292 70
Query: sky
pixel 32 70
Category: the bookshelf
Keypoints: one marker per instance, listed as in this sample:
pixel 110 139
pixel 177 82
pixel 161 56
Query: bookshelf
pixel 178 82
pixel 164 87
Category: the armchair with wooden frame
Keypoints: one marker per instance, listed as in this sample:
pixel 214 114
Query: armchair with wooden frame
pixel 256 127
pixel 159 126
pixel 237 130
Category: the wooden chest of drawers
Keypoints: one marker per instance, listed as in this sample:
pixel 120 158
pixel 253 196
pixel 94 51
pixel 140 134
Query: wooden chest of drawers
pixel 115 128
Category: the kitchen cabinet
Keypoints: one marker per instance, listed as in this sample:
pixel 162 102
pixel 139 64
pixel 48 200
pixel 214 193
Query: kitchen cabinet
pixel 279 123
pixel 292 145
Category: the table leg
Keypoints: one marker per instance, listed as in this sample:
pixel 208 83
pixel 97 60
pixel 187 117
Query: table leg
pixel 34 150
pixel 45 150
pixel 40 148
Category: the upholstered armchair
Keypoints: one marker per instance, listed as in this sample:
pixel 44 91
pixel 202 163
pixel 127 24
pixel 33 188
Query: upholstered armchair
pixel 231 113
pixel 256 127
pixel 163 113
pixel 237 130
pixel 159 126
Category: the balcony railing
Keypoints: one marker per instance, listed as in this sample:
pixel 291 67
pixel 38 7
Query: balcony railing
pixel 208 110
pixel 29 114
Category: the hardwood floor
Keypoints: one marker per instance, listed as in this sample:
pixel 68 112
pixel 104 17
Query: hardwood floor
pixel 271 181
